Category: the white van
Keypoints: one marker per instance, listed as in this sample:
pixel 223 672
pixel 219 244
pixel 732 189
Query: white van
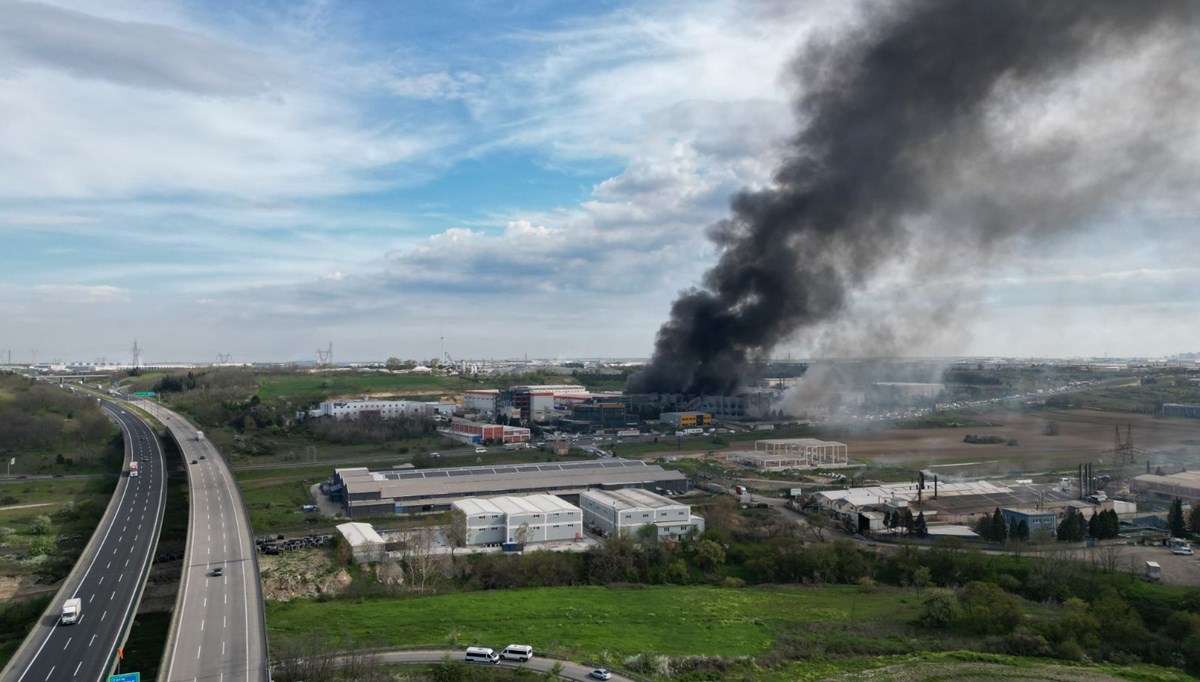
pixel 517 652
pixel 480 450
pixel 481 654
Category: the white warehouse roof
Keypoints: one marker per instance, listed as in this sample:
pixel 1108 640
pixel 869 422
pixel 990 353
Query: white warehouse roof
pixel 512 504
pixel 359 534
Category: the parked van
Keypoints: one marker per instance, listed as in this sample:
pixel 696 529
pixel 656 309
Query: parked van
pixel 481 654
pixel 480 450
pixel 517 652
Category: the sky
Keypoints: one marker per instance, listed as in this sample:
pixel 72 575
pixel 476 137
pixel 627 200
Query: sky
pixel 498 179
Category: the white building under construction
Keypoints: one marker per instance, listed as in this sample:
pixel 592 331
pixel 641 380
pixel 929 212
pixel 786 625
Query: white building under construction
pixel 795 453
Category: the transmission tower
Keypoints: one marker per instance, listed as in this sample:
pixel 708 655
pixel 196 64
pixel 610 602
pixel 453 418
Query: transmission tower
pixel 1123 451
pixel 137 354
pixel 325 357
pixel 224 357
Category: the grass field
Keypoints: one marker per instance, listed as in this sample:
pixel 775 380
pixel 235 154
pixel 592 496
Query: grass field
pixel 593 623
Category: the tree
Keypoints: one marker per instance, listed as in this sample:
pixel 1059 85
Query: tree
pixel 908 521
pixel 41 525
pixel 523 534
pixel 1175 519
pixel 999 531
pixel 1194 518
pixel 817 524
pixel 456 531
pixel 709 554
pixel 920 528
pixel 1022 531
pixel 1073 527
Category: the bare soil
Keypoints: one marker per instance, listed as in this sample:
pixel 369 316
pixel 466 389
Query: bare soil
pixel 1083 435
pixel 928 671
pixel 301 573
pixel 19 588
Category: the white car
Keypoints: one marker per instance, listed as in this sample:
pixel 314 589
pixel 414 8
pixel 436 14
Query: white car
pixel 1182 549
pixel 600 674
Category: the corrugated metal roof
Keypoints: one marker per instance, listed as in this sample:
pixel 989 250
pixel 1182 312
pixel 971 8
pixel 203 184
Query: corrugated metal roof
pixel 359 534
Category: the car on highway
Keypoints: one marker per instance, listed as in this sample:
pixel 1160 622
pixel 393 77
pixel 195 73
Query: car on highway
pixel 201 456
pixel 194 462
pixel 600 674
pixel 217 571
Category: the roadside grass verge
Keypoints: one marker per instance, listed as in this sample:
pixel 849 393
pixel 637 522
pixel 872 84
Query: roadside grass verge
pixel 593 623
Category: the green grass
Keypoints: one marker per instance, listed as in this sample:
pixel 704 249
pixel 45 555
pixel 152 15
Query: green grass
pixel 593 622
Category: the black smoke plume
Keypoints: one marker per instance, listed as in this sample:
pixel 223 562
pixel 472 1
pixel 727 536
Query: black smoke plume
pixel 912 143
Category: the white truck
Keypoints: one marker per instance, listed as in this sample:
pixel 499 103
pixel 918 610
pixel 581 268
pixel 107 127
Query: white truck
pixel 72 610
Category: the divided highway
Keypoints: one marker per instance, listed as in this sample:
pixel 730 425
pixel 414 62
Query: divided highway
pixel 109 575
pixel 218 631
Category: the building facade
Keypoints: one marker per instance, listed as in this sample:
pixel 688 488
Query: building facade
pixel 608 415
pixel 1181 410
pixel 468 431
pixel 483 401
pixel 385 409
pixel 525 519
pixel 680 419
pixel 629 510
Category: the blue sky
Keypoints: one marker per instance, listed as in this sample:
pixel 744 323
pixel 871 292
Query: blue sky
pixel 260 178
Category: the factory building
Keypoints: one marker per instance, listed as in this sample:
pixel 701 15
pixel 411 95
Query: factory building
pixel 960 502
pixel 530 518
pixel 600 415
pixel 615 511
pixel 1181 410
pixel 1185 485
pixel 1035 519
pixel 483 401
pixel 794 453
pixel 684 419
pixel 386 409
pixel 364 492
pixel 479 433
pixel 366 545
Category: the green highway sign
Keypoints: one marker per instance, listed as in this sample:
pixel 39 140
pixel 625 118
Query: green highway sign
pixel 125 677
pixel 144 394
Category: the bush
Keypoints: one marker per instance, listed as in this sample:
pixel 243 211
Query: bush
pixel 939 610
pixel 1025 642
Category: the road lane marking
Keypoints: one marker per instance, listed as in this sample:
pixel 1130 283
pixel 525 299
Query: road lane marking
pixel 127 562
pixel 76 674
pixel 51 671
pixel 68 643
pixel 103 615
pixel 198 649
pixel 91 597
pixel 102 578
pixel 120 577
pixel 108 566
pixel 93 639
pixel 113 595
pixel 201 625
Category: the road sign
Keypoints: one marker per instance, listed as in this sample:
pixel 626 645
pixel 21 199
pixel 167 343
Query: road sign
pixel 144 394
pixel 125 677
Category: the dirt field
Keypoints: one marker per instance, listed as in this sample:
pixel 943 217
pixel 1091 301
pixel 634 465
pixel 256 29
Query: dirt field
pixel 1083 436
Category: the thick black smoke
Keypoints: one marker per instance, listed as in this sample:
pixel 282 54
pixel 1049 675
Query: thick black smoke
pixel 903 148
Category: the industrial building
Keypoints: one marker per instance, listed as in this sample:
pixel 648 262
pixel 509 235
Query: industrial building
pixel 614 511
pixel 478 433
pixel 598 415
pixel 366 545
pixel 1035 519
pixel 364 492
pixel 794 453
pixel 386 409
pixel 891 393
pixel 684 419
pixel 500 520
pixel 483 401
pixel 1181 410
pixel 960 502
pixel 1185 485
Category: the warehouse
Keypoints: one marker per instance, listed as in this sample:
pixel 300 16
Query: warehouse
pixel 385 409
pixel 1181 410
pixel 482 401
pixel 614 511
pixel 1185 485
pixel 365 492
pixel 530 518
pixel 365 543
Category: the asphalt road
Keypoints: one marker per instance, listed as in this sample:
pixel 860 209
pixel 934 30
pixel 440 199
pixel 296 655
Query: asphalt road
pixel 570 671
pixel 108 576
pixel 219 630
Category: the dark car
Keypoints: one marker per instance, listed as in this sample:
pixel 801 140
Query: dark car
pixel 194 462
pixel 217 571
pixel 201 456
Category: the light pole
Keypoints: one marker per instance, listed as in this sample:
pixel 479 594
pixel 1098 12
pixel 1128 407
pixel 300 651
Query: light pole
pixel 11 461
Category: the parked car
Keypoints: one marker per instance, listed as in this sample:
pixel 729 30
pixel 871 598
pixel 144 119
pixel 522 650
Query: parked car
pixel 1182 549
pixel 600 674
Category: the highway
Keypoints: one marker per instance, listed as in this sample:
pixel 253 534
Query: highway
pixel 109 575
pixel 218 631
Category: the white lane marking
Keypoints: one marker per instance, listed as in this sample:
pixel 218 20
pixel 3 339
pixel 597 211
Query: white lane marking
pixel 127 562
pixel 68 643
pixel 206 602
pixel 224 621
pixel 77 667
pixel 198 651
pixel 51 671
pixel 108 565
pixel 90 600
pixel 201 625
pixel 113 595
pixel 102 578
pixel 103 615
pixel 120 577
pixel 93 639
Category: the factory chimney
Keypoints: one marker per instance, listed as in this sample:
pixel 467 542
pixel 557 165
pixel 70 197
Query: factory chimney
pixel 935 486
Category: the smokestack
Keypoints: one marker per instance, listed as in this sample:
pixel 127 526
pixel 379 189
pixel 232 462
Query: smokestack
pixel 935 486
pixel 1081 481
pixel 927 143
pixel 921 478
